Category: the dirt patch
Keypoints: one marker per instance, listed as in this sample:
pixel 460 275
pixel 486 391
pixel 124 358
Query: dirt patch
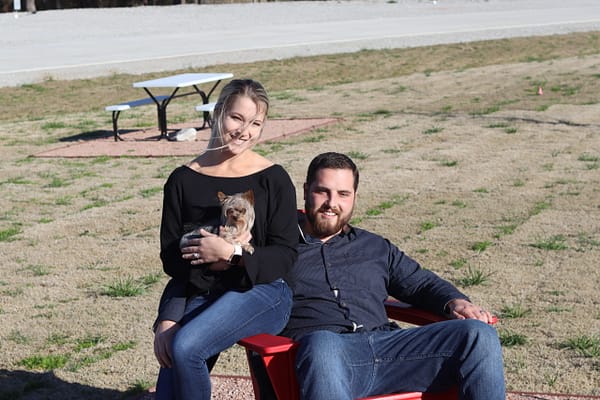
pixel 145 143
pixel 470 171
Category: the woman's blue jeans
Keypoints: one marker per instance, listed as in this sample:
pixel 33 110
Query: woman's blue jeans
pixel 214 325
pixel 463 353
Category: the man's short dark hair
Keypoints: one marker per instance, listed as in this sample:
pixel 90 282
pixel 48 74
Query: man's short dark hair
pixel 331 160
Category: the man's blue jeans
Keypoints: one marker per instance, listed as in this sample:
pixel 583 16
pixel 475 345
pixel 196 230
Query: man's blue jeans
pixel 214 325
pixel 463 353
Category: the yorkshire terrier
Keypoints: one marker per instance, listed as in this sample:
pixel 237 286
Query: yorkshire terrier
pixel 238 217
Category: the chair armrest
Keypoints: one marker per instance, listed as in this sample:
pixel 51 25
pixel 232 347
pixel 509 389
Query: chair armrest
pixel 277 354
pixel 404 312
pixel 265 344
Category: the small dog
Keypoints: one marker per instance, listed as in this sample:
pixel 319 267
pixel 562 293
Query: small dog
pixel 238 217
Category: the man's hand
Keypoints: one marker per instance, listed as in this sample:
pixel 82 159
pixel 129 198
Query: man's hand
pixel 463 309
pixel 162 342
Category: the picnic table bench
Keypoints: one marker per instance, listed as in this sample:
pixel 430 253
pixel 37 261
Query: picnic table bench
pixel 117 108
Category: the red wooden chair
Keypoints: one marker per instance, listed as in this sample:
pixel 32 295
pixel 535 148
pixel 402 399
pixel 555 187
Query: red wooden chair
pixel 278 354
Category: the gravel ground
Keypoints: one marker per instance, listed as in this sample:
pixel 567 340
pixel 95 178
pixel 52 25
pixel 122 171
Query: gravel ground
pixel 240 388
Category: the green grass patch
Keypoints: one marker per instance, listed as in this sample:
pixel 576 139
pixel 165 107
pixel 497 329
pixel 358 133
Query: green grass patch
pixel 7 235
pixel 587 346
pixel 427 225
pixel 95 204
pixel 381 207
pixel 481 246
pixel 151 279
pixel 38 270
pixel 18 181
pixel 57 339
pixel 358 155
pixel 506 230
pixel 130 287
pixel 18 337
pixel 459 204
pixel 432 130
pixel 473 277
pixel 124 287
pixel 313 139
pixel 458 264
pixel 48 126
pixel 87 342
pixel 510 339
pixel 45 362
pixel 555 243
pixel 514 311
pixel 138 388
pixel 539 207
pixel 150 192
pixel 588 158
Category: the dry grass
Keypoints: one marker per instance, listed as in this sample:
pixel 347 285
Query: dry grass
pixel 464 166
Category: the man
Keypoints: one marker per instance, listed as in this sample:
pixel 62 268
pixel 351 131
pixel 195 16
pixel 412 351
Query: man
pixel 347 347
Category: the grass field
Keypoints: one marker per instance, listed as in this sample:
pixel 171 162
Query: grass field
pixel 464 166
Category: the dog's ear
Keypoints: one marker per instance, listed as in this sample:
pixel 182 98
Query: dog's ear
pixel 222 196
pixel 249 196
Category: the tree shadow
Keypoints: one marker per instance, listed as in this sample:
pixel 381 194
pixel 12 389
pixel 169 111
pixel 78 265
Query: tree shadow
pixel 27 385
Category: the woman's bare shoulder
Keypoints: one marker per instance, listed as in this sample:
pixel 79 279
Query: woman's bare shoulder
pixel 260 162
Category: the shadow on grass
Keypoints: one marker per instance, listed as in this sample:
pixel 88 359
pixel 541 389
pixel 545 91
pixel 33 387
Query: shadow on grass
pixel 104 134
pixel 27 385
pixel 94 135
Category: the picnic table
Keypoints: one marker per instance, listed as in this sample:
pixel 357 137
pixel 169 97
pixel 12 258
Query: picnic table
pixel 175 83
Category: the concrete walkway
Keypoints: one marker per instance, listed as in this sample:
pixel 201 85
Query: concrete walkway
pixel 83 43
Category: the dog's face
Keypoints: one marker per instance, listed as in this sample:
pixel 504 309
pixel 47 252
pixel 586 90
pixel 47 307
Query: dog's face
pixel 235 215
pixel 238 210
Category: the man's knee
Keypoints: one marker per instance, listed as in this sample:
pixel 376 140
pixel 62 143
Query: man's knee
pixel 481 337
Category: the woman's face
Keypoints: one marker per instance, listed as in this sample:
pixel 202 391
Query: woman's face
pixel 242 124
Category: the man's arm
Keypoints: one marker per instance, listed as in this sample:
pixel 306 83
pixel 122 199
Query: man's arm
pixel 422 288
pixel 410 283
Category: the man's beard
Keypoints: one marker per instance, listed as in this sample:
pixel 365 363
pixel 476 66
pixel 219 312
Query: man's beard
pixel 324 227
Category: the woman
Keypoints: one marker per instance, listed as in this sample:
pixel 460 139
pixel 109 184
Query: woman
pixel 219 293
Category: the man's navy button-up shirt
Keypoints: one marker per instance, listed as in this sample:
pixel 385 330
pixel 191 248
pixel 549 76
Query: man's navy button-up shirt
pixel 341 285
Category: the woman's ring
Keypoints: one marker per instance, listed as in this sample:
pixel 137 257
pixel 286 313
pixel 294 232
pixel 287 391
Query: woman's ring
pixel 196 255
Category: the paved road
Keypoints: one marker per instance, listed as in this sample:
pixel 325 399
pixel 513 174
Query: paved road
pixel 83 43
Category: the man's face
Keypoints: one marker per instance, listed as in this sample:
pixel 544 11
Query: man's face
pixel 329 202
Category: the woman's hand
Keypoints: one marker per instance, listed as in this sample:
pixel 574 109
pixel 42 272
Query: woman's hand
pixel 209 248
pixel 463 309
pixel 163 337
